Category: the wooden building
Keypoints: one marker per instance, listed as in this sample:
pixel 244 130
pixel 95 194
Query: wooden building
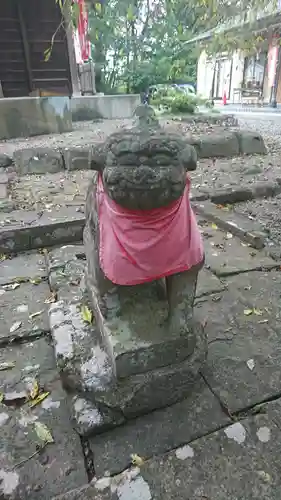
pixel 26 31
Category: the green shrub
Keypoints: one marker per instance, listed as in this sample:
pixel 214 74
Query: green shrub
pixel 174 100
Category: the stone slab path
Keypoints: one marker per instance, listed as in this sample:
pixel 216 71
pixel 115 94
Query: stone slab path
pixel 222 442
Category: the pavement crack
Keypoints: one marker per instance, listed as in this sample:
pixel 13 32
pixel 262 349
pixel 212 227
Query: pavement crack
pixel 88 458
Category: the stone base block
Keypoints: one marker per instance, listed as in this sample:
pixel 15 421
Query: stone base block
pixel 250 143
pixel 77 158
pixel 38 161
pixel 87 368
pixel 216 145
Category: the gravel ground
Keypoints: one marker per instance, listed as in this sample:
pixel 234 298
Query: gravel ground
pixel 266 211
pixel 85 133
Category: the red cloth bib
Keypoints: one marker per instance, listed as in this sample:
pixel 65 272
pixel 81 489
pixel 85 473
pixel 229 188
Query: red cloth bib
pixel 137 246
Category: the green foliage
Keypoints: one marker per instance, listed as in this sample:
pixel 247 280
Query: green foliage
pixel 137 43
pixel 175 101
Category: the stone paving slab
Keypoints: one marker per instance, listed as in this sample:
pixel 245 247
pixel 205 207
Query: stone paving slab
pixel 243 366
pixel 25 266
pixel 19 308
pixel 23 231
pixel 239 462
pixel 158 432
pixel 60 466
pixel 227 255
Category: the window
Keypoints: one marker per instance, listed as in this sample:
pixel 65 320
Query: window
pixel 254 70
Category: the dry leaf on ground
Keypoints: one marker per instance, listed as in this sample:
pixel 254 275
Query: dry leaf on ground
pixel 11 286
pixel 34 390
pixel 52 298
pixel 39 399
pixel 35 281
pixel 137 460
pixel 251 364
pixel 15 326
pixel 7 365
pixel 43 433
pixel 34 315
pixel 87 315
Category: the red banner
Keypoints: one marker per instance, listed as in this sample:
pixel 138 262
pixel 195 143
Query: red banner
pixel 82 29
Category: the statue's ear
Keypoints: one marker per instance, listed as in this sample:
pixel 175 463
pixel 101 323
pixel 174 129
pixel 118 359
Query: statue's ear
pixel 188 157
pixel 97 158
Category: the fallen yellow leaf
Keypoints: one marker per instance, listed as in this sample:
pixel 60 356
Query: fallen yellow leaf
pixel 87 315
pixel 257 312
pixel 43 432
pixel 7 365
pixel 248 312
pixel 52 298
pixel 214 226
pixel 39 399
pixel 34 391
pixel 35 281
pixel 137 460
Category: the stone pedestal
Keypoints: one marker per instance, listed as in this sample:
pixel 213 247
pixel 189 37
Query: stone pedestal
pixel 112 380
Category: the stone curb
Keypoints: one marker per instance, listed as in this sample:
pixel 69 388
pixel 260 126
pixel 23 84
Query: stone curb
pixel 41 160
pixel 239 226
pixel 41 232
pixel 236 194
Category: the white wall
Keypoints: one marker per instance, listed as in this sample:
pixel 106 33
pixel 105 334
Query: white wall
pixel 205 69
pixel 237 74
pixel 204 75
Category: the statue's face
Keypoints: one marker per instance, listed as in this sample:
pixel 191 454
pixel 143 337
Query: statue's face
pixel 146 171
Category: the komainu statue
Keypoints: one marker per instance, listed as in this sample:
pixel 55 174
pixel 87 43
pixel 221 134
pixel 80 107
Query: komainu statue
pixel 144 252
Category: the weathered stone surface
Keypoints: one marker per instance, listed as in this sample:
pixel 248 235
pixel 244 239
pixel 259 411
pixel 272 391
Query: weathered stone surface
pixel 247 230
pixel 237 462
pixel 24 307
pixel 77 158
pixel 229 195
pixel 23 231
pixel 208 283
pixel 88 492
pixel 208 146
pixel 158 432
pixel 38 161
pixel 4 181
pixel 86 367
pixel 58 257
pixel 140 337
pixel 243 366
pixel 7 205
pixel 60 465
pixel 5 160
pixel 88 418
pixel 24 267
pixel 250 142
pixel 226 255
pixel 66 267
